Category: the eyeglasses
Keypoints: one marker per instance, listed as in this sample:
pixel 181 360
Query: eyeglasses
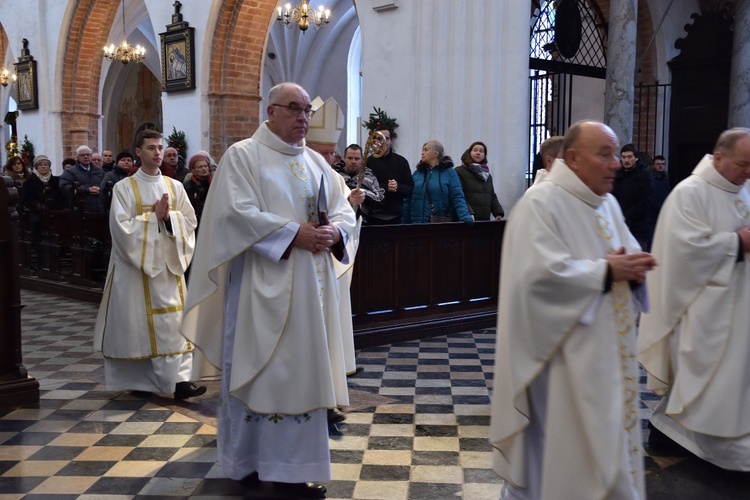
pixel 85 154
pixel 296 110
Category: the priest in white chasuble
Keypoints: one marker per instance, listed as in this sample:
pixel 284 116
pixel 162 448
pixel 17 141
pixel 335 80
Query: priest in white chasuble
pixel 565 394
pixel 695 341
pixel 263 306
pixel 152 224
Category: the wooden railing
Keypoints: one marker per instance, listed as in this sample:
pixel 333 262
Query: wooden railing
pixel 409 281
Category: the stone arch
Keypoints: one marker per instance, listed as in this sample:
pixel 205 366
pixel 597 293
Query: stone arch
pixel 235 68
pixel 90 24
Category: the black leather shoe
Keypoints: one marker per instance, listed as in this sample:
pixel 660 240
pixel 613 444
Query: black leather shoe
pixel 335 416
pixel 186 390
pixel 300 490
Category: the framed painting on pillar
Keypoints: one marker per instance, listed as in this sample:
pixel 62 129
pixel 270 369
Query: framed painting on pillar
pixel 27 93
pixel 178 60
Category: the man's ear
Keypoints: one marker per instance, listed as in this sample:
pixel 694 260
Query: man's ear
pixel 570 157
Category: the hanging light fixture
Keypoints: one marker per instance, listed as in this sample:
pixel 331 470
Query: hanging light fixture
pixel 303 16
pixel 5 76
pixel 124 52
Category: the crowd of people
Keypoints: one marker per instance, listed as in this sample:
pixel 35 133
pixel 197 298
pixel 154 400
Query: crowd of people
pixel 265 309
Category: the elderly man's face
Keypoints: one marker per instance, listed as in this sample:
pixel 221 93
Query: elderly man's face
pixel 327 151
pixel 289 124
pixel 735 165
pixel 593 157
pixel 170 157
pixel 84 158
pixel 97 160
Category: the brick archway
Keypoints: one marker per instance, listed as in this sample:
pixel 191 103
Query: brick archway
pixel 89 29
pixel 236 65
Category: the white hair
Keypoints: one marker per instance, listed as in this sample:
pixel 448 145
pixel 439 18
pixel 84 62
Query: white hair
pixel 83 150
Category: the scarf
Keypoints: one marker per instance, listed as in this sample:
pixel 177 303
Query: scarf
pixel 44 178
pixel 481 170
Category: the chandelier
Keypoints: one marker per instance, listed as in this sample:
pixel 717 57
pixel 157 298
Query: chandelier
pixel 5 76
pixel 124 52
pixel 303 16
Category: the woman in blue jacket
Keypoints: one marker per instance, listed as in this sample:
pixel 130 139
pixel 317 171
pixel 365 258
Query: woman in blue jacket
pixel 437 195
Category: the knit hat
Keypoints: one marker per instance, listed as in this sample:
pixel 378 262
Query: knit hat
pixel 39 158
pixel 124 154
pixel 327 123
pixel 200 155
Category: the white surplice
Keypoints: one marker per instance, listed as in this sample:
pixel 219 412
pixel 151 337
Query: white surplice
pixel 565 394
pixel 138 325
pixel 286 356
pixel 694 343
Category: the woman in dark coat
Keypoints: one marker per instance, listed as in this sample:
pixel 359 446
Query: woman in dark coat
pixel 477 184
pixel 40 195
pixel 437 195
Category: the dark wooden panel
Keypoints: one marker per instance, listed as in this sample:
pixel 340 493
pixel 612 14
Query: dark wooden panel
pixel 444 277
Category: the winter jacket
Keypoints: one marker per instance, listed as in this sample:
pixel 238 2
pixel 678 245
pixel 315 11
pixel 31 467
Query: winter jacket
pixel 633 188
pixel 94 176
pixel 480 194
pixel 438 192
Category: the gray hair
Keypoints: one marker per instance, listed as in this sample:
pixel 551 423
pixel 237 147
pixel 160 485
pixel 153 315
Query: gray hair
pixel 552 146
pixel 437 148
pixel 83 150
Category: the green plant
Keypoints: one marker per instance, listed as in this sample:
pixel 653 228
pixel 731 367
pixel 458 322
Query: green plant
pixel 27 151
pixel 379 120
pixel 177 140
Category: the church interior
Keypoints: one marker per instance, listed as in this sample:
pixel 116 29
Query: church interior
pixel 667 75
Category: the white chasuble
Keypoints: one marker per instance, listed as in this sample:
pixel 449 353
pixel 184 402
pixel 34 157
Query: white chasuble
pixel 694 343
pixel 344 273
pixel 565 407
pixel 141 310
pixel 287 355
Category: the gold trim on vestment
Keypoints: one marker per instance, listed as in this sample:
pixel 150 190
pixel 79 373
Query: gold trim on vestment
pixel 621 299
pixel 190 348
pixel 150 310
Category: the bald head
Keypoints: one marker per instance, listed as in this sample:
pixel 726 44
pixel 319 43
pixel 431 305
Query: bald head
pixel 732 155
pixel 591 151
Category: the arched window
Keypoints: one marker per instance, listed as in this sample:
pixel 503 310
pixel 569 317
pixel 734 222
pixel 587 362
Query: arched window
pixel 354 89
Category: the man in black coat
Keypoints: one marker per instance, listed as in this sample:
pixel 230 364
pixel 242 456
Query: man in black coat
pixel 88 176
pixel 394 175
pixel 633 190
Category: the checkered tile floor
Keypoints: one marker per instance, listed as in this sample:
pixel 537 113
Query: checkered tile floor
pixel 417 427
